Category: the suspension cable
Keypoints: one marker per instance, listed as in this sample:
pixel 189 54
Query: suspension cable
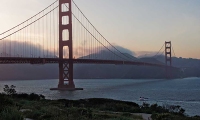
pixel 159 51
pixel 96 29
pixel 173 51
pixel 29 18
pixel 30 23
pixel 95 37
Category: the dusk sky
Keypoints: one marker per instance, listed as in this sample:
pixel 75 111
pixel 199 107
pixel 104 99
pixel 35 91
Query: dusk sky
pixel 138 25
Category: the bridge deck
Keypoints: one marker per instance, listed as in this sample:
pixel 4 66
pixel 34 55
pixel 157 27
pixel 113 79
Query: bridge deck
pixel 18 60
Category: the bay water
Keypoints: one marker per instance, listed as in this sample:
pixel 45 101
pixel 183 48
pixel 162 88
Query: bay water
pixel 184 92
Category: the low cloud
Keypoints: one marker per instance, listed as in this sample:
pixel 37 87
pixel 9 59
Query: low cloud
pixel 82 51
pixel 125 50
pixel 26 49
pixel 141 54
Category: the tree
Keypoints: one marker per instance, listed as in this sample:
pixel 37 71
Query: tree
pixel 9 90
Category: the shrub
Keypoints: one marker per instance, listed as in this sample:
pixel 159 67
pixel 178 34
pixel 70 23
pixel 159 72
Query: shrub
pixel 5 101
pixel 11 114
pixel 31 96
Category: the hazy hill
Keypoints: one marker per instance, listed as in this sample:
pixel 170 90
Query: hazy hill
pixel 107 55
pixel 181 62
pixel 189 67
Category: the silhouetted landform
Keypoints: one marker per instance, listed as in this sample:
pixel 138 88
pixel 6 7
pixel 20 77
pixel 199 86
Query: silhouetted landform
pixel 188 68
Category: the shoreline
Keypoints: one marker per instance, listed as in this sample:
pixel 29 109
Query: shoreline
pixel 35 106
pixel 101 79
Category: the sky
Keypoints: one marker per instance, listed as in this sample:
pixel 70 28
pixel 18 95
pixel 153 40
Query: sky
pixel 141 26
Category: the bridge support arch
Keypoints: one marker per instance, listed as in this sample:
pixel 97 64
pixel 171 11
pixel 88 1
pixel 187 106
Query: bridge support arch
pixel 168 59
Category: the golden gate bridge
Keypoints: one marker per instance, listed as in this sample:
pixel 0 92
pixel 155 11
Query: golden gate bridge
pixel 62 34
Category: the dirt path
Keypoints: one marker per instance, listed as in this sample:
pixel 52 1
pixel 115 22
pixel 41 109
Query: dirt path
pixel 144 115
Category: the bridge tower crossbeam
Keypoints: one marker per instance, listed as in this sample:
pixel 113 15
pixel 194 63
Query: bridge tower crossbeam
pixel 168 59
pixel 65 67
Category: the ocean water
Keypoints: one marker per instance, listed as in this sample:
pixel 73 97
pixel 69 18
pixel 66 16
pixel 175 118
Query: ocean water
pixel 183 92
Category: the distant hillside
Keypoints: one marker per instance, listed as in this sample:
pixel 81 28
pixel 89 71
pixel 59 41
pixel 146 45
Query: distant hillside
pixel 107 55
pixel 151 60
pixel 181 62
pixel 189 67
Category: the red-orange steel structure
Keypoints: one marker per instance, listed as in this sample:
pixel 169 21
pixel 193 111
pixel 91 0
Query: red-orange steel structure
pixel 65 67
pixel 168 59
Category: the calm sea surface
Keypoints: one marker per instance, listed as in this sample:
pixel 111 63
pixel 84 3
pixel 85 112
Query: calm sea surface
pixel 183 92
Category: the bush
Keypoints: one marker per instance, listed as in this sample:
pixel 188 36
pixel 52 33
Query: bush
pixel 11 114
pixel 5 101
pixel 31 96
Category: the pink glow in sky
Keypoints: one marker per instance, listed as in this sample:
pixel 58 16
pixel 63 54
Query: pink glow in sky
pixel 139 25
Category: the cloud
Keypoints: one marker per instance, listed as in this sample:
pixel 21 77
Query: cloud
pixel 27 49
pixel 141 54
pixel 24 49
pixel 82 51
pixel 125 50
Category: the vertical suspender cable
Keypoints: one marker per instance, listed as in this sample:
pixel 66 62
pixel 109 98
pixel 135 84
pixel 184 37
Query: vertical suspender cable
pixel 54 32
pixel 43 33
pixel 49 38
pixel 46 43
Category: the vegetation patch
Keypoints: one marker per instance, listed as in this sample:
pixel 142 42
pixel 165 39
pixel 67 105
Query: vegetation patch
pixel 15 106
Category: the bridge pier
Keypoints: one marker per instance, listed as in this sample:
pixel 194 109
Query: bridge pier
pixel 66 75
pixel 65 66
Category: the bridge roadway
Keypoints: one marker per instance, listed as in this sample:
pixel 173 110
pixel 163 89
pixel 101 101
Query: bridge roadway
pixel 21 60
